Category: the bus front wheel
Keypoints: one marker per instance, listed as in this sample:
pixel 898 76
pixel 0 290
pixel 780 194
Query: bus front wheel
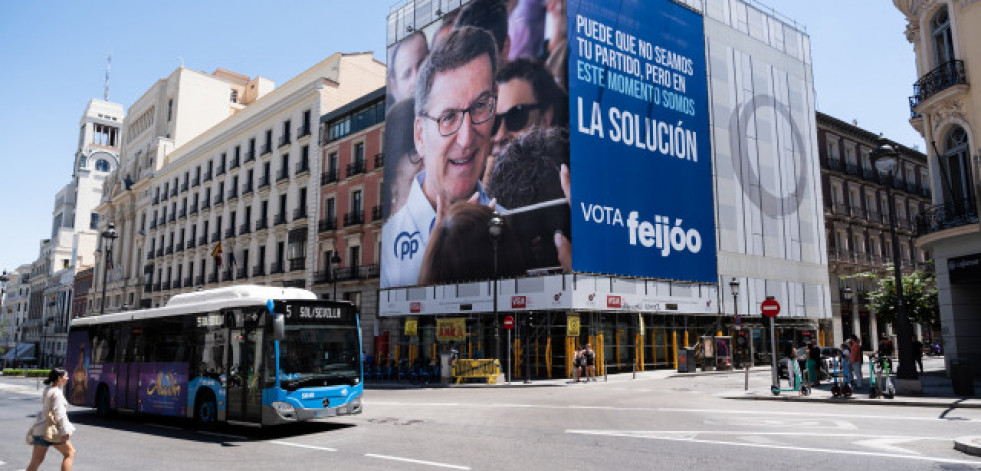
pixel 205 409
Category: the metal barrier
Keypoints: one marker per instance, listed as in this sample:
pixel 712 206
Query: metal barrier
pixel 488 369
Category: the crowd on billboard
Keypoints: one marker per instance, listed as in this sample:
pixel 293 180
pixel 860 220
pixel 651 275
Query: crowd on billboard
pixel 477 121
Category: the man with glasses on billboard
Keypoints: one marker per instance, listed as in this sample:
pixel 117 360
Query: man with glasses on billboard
pixel 455 105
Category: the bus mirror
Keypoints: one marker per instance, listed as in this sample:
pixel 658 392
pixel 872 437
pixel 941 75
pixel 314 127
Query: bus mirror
pixel 279 327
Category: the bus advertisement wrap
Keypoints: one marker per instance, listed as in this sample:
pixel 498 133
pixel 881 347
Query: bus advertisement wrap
pixel 642 186
pixel 525 107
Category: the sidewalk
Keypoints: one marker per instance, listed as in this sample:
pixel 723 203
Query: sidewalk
pixel 937 388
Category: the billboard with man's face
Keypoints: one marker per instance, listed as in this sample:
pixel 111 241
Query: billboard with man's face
pixel 532 136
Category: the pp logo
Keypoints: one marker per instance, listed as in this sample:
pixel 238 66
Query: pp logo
pixel 406 245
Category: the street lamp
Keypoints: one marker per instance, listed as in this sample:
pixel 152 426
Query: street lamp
pixel 335 262
pixel 3 292
pixel 886 160
pixel 108 237
pixel 494 227
pixel 734 288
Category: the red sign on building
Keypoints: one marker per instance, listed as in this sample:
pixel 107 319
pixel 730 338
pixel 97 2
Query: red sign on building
pixel 614 301
pixel 518 302
pixel 415 307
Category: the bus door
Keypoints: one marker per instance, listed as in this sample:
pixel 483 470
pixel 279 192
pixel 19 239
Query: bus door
pixel 128 382
pixel 244 375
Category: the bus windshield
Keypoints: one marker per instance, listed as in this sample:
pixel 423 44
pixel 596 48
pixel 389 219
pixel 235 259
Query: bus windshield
pixel 319 355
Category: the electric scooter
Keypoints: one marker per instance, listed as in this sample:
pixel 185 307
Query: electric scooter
pixel 844 389
pixel 799 385
pixel 879 383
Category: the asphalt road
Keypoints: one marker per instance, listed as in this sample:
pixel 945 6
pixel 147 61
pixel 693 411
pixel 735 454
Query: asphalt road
pixel 648 423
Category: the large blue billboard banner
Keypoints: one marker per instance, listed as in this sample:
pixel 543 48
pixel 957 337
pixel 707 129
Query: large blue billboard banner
pixel 640 147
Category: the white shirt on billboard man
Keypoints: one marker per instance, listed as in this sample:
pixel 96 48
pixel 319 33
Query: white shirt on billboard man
pixel 455 109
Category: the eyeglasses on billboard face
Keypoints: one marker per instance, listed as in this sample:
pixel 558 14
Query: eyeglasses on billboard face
pixel 516 118
pixel 480 111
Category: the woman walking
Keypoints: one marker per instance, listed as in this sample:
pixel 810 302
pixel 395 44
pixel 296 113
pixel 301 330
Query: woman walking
pixel 53 400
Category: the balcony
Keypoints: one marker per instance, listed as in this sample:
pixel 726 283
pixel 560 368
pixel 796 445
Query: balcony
pixel 946 216
pixel 172 218
pixel 360 272
pixel 283 174
pixel 247 189
pixel 215 236
pixel 266 149
pixel 220 171
pixel 853 169
pixel 173 191
pixel 327 225
pixel 300 213
pixel 261 224
pixel 219 199
pixel 205 204
pixel 302 167
pixel 213 278
pixel 277 268
pixel 937 80
pixel 327 178
pixel 183 214
pixel 196 181
pixel 249 156
pixel 184 187
pixel 153 224
pixel 194 209
pixel 258 270
pixel 298 264
pixel 353 218
pixel 230 232
pixel 376 213
pixel 234 163
pixel 160 252
pixel 303 131
pixel 203 240
pixel 355 168
pixel 199 280
pixel 284 140
pixel 264 183
pixel 187 282
pixel 242 273
pixel 226 275
pixel 835 164
pixel 179 246
pixel 233 194
pixel 280 219
pixel 379 160
pixel 149 254
pixel 207 176
pixel 156 286
pixel 148 287
pixel 156 199
pixel 245 228
pixel 190 243
pixel 170 250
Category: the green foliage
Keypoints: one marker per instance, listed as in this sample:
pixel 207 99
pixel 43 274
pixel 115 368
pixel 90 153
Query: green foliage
pixel 919 292
pixel 28 373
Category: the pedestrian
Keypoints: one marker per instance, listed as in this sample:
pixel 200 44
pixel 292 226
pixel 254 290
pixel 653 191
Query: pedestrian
pixel 577 364
pixel 790 357
pixel 842 356
pixel 590 357
pixel 918 352
pixel 53 400
pixel 855 361
pixel 813 361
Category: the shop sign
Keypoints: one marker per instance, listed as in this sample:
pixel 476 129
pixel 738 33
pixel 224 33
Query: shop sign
pixel 614 302
pixel 572 325
pixel 411 327
pixel 451 329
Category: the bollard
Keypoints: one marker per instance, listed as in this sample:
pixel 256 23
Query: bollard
pixel 746 383
pixel 635 371
pixel 605 377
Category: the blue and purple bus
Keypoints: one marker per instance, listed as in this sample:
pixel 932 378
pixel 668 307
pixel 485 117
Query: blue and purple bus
pixel 243 354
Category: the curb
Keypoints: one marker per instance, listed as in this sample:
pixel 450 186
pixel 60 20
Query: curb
pixel 969 445
pixel 878 402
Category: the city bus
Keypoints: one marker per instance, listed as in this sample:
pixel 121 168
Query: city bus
pixel 243 354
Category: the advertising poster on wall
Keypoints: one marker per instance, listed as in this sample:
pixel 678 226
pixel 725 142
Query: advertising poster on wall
pixel 641 158
pixel 478 121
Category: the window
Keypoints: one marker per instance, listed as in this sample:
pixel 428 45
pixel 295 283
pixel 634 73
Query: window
pixel 329 210
pixel 170 109
pixel 233 97
pixel 82 161
pixel 102 165
pixel 356 202
pixel 943 40
pixel 94 221
pixel 359 154
pixel 957 161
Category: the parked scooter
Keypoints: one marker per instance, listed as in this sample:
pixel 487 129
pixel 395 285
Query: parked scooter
pixel 844 389
pixel 798 385
pixel 879 382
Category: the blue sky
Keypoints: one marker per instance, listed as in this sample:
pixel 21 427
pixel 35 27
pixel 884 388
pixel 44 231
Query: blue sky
pixel 55 56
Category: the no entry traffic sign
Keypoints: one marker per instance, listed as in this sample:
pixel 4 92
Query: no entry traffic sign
pixel 770 307
pixel 508 323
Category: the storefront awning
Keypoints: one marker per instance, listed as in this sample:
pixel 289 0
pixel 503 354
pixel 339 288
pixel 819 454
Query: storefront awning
pixel 22 352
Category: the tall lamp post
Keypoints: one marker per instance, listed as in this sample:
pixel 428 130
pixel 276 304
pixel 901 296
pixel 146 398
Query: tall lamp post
pixel 335 263
pixel 734 289
pixel 886 160
pixel 494 227
pixel 108 237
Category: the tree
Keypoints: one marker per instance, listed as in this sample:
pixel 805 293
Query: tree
pixel 919 292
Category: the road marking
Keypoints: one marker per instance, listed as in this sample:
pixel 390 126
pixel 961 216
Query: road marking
pixel 792 423
pixel 813 414
pixel 650 435
pixel 225 435
pixel 300 445
pixel 888 445
pixel 410 460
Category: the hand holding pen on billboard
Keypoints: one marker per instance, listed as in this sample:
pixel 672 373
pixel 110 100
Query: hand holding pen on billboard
pixel 562 244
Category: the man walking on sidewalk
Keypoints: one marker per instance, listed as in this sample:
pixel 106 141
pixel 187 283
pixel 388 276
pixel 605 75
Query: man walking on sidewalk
pixel 855 360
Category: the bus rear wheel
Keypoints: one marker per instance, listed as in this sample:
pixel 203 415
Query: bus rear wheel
pixel 205 409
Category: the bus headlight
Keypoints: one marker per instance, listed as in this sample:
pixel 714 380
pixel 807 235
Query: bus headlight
pixel 284 409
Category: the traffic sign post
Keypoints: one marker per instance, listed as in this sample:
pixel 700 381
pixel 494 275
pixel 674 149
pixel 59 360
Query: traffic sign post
pixel 770 308
pixel 508 325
